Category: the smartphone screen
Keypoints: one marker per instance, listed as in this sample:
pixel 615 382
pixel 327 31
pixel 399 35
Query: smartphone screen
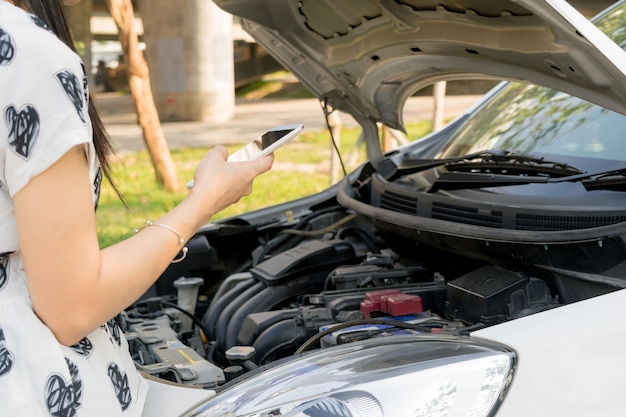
pixel 266 143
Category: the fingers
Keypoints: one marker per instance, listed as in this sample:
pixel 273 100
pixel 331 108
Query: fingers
pixel 266 162
pixel 218 184
pixel 222 150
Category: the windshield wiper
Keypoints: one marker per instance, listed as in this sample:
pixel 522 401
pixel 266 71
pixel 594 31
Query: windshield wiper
pixel 607 180
pixel 610 180
pixel 491 162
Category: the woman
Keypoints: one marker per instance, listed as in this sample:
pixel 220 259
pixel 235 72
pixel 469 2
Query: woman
pixel 61 354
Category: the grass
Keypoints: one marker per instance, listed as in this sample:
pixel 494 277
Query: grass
pixel 300 169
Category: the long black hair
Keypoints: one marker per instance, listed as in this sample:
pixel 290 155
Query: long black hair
pixel 52 13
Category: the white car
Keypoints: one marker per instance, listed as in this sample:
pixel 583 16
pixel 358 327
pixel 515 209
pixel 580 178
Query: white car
pixel 476 272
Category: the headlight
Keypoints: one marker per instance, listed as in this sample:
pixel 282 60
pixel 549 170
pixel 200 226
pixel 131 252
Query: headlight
pixel 392 376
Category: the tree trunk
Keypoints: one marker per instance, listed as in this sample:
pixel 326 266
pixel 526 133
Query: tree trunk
pixel 139 80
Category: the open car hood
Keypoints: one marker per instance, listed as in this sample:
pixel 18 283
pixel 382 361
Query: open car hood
pixel 365 57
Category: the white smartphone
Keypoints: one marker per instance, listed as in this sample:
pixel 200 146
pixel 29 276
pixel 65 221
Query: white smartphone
pixel 266 143
pixel 263 145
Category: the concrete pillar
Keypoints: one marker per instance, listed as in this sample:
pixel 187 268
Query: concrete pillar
pixel 189 49
pixel 79 19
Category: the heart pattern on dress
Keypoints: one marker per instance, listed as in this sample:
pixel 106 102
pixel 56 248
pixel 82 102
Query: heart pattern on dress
pixel 114 331
pixel 63 399
pixel 6 357
pixel 23 127
pixel 73 90
pixel 119 380
pixel 7 48
pixel 4 271
pixel 83 348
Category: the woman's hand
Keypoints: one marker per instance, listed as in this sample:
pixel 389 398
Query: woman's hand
pixel 219 184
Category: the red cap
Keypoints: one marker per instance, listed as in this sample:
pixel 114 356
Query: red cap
pixel 393 302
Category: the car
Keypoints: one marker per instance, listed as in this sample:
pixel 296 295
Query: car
pixel 479 271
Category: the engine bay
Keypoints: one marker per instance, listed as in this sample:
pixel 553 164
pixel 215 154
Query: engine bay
pixel 257 294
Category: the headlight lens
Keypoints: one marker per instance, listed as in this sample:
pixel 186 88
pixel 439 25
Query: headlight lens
pixel 394 376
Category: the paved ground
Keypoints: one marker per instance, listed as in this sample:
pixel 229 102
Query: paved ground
pixel 250 119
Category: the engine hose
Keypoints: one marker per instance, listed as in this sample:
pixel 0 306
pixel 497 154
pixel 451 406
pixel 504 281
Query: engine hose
pixel 283 337
pixel 219 304
pixel 364 236
pixel 265 300
pixel 230 310
pixel 229 283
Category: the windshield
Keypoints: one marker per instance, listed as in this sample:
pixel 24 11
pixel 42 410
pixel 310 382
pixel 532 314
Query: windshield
pixel 538 120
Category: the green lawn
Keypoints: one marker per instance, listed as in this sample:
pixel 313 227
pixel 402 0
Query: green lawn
pixel 300 168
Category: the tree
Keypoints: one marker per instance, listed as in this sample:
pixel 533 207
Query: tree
pixel 139 80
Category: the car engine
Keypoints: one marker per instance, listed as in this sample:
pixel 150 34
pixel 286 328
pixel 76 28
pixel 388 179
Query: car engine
pixel 256 295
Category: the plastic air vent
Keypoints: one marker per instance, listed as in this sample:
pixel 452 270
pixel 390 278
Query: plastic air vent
pixel 397 202
pixel 528 221
pixel 467 215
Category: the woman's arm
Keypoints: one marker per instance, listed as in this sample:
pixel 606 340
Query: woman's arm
pixel 75 286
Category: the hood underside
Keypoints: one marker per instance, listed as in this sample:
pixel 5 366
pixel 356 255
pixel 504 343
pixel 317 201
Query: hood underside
pixel 365 57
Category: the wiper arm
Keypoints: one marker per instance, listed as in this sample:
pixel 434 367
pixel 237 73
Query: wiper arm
pixel 467 180
pixel 612 180
pixel 411 166
pixel 489 161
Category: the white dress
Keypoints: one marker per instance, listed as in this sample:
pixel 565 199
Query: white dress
pixel 43 100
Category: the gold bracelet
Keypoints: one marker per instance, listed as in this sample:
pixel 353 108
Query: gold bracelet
pixel 181 241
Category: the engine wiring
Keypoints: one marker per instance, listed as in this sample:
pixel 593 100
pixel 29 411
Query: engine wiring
pixel 319 232
pixel 393 324
pixel 160 301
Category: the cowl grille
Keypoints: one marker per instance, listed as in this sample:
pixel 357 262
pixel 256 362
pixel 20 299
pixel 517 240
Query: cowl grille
pixel 469 215
pixel 399 203
pixel 490 215
pixel 526 221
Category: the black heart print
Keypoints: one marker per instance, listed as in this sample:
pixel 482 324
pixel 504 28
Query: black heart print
pixel 64 398
pixel 114 331
pixel 23 129
pixel 6 357
pixel 83 348
pixel 60 398
pixel 73 89
pixel 4 271
pixel 7 48
pixel 120 385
